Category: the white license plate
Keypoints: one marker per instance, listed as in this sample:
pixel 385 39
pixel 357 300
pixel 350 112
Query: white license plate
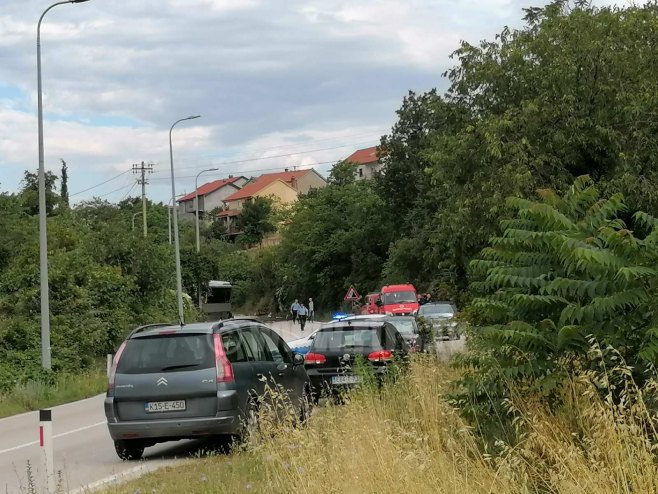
pixel 164 406
pixel 345 379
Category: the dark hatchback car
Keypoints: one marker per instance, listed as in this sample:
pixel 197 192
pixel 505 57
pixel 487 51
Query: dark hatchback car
pixel 330 362
pixel 206 379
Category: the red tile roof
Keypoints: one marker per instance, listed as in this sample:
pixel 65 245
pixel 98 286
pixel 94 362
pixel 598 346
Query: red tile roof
pixel 364 156
pixel 209 187
pixel 228 212
pixel 252 188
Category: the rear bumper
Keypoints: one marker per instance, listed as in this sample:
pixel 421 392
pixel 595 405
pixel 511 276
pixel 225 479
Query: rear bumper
pixel 321 381
pixel 225 423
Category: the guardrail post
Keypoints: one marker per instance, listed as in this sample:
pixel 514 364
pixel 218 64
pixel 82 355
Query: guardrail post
pixel 109 363
pixel 46 444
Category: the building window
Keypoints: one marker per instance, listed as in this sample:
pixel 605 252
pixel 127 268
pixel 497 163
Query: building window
pixel 361 172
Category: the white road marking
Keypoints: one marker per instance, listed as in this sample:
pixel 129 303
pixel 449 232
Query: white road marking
pixel 32 443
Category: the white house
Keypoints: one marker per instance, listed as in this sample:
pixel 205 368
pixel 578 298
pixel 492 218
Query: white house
pixel 366 162
pixel 211 196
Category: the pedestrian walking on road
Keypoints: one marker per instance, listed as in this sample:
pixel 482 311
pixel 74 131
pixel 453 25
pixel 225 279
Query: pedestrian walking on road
pixel 311 310
pixel 294 309
pixel 302 313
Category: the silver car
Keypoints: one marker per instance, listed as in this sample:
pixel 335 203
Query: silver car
pixel 204 379
pixel 441 315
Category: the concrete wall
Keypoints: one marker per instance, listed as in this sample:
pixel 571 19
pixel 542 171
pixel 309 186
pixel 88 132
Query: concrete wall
pixel 368 171
pixel 279 191
pixel 310 180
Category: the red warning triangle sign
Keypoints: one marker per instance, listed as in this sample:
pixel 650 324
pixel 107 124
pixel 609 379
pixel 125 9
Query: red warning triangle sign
pixel 352 294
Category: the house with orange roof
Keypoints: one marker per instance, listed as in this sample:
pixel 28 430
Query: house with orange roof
pixel 211 196
pixel 366 162
pixel 283 187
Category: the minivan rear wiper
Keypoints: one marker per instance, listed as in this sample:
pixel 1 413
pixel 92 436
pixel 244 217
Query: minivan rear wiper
pixel 181 366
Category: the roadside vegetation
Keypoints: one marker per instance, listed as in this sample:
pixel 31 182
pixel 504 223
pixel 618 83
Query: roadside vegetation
pixel 64 388
pixel 410 439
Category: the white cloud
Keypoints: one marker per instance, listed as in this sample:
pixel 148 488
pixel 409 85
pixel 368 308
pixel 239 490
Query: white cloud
pixel 275 77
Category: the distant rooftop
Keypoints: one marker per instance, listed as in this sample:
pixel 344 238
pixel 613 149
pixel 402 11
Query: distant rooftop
pixel 364 156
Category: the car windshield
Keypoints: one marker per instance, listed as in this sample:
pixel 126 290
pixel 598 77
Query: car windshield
pixel 166 353
pixel 346 337
pixel 404 326
pixel 398 297
pixel 436 310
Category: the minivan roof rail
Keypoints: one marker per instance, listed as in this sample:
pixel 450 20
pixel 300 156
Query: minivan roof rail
pixel 149 326
pixel 221 323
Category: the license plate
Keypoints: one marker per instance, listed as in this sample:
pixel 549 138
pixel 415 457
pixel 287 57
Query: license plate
pixel 345 379
pixel 164 406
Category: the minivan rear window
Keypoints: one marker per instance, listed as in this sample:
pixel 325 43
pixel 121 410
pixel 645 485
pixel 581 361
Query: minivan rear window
pixel 167 353
pixel 346 337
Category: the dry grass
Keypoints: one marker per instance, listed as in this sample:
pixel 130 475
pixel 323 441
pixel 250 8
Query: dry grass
pixel 408 439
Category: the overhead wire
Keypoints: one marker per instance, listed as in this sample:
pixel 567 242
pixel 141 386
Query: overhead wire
pixel 224 163
pixel 327 139
pixel 286 155
pixel 129 191
pixel 99 184
pixel 249 172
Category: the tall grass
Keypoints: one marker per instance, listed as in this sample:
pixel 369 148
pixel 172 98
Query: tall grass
pixel 35 395
pixel 407 438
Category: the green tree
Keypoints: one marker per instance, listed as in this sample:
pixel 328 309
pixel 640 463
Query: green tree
pixel 255 220
pixel 30 192
pixel 342 173
pixel 566 274
pixel 337 237
pixel 64 189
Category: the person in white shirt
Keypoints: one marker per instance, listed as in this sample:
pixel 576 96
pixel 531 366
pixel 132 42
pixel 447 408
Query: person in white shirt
pixel 311 310
pixel 294 308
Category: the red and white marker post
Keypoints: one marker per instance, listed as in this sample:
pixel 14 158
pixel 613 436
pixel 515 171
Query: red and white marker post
pixel 46 444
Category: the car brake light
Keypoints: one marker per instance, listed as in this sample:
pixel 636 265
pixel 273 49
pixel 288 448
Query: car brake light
pixel 315 358
pixel 223 364
pixel 380 356
pixel 115 363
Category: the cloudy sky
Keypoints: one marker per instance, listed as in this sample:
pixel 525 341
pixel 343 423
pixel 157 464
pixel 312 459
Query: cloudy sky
pixel 278 82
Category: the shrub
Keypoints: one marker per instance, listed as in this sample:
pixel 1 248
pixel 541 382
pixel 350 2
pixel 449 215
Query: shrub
pixel 567 272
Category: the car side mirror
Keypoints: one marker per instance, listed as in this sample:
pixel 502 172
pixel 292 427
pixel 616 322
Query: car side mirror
pixel 378 303
pixel 297 359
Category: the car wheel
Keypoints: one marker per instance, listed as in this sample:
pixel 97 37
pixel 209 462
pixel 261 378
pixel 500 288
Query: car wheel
pixel 129 450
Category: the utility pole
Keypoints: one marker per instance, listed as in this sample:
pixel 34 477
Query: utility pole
pixel 142 170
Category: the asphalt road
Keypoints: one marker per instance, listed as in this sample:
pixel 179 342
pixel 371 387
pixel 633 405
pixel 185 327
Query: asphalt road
pixel 84 453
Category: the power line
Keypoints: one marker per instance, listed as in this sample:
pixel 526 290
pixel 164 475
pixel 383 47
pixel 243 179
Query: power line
pixel 327 139
pixel 260 170
pixel 247 160
pixel 98 185
pixel 128 193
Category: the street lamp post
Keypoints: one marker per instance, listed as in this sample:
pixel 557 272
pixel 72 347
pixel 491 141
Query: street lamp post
pixel 196 204
pixel 169 209
pixel 179 281
pixel 43 227
pixel 196 209
pixel 169 206
pixel 134 216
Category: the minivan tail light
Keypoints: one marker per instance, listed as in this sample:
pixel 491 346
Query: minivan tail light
pixel 315 358
pixel 115 363
pixel 222 363
pixel 381 356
